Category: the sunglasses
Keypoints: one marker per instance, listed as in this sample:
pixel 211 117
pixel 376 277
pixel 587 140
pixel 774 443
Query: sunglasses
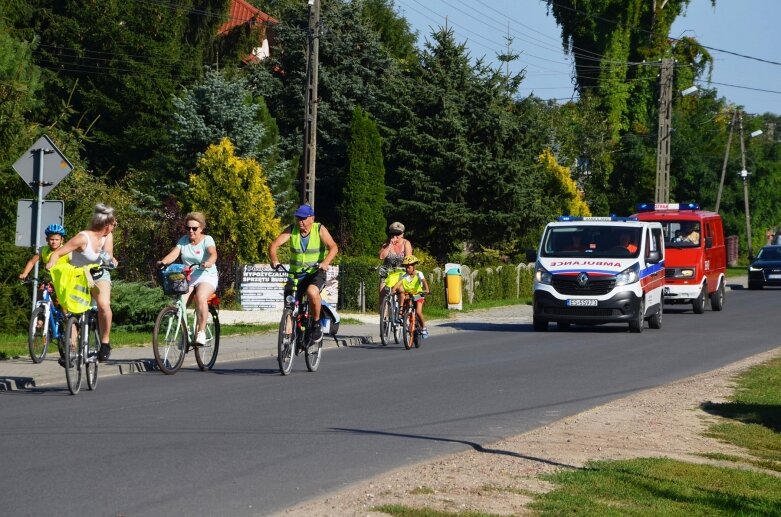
pixel 192 228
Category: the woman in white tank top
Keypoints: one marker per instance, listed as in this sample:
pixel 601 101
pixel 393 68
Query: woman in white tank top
pixel 87 247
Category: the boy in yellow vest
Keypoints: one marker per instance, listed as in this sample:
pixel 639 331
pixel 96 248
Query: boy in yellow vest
pixel 414 284
pixel 55 236
pixel 312 249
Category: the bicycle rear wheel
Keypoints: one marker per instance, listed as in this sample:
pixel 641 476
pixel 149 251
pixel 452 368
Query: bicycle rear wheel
pixel 72 348
pixel 206 355
pixel 286 342
pixel 397 327
pixel 39 336
pixel 386 314
pixel 91 355
pixel 409 328
pixel 169 340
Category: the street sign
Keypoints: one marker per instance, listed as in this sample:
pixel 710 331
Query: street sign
pixel 53 212
pixel 54 168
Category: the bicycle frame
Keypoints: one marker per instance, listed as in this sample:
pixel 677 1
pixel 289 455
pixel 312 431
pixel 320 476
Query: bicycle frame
pixel 174 335
pixel 411 323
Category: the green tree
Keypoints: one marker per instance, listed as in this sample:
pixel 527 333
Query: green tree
pixel 234 194
pixel 355 69
pixel 364 191
pixel 120 64
pixel 221 106
pixel 463 163
pixel 394 30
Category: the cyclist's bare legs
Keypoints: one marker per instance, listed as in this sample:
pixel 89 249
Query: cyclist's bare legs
pixel 419 312
pixel 101 293
pixel 200 295
pixel 313 293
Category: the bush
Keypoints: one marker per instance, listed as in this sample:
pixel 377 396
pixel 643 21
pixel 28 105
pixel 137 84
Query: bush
pixel 135 305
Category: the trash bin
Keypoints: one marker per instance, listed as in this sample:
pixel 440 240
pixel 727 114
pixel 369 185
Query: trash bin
pixel 453 285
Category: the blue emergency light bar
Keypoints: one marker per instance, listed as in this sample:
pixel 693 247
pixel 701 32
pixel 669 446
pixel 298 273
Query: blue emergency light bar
pixel 612 218
pixel 658 207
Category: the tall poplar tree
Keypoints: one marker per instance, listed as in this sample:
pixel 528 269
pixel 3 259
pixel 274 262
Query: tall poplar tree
pixel 364 191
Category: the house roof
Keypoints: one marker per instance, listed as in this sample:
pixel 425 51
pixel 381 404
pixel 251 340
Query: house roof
pixel 242 12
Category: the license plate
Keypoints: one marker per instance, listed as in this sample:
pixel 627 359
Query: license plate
pixel 774 277
pixel 581 303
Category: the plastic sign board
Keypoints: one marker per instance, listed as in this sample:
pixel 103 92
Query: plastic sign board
pixel 55 166
pixel 53 212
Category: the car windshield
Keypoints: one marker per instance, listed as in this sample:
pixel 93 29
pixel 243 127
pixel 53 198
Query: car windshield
pixel 769 253
pixel 681 234
pixel 591 241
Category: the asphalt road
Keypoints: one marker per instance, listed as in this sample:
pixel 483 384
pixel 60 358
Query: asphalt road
pixel 243 440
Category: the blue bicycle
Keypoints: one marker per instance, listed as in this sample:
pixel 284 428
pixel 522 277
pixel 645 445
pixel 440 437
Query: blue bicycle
pixel 45 323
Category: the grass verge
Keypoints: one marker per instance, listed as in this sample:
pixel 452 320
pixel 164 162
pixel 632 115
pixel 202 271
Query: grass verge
pixel 751 419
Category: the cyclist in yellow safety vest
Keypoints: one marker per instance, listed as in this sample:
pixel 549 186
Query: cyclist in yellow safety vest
pixel 413 284
pixel 312 249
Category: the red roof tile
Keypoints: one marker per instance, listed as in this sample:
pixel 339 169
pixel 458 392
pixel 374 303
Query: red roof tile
pixel 242 12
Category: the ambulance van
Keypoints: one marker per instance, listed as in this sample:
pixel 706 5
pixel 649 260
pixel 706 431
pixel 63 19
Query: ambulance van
pixel 696 260
pixel 595 270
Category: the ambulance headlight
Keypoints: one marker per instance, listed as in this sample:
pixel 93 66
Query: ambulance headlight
pixel 686 272
pixel 628 276
pixel 542 275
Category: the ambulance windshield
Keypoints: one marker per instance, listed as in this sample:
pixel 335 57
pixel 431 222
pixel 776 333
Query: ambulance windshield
pixel 609 241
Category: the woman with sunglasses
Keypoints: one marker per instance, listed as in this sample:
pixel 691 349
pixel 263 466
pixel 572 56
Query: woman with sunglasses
pixel 197 250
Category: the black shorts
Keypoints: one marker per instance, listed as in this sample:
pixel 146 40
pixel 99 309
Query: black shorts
pixel 317 278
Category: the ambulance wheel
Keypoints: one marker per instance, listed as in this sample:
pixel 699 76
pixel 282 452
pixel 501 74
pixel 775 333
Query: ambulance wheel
pixel 717 298
pixel 655 321
pixel 637 324
pixel 699 303
pixel 539 324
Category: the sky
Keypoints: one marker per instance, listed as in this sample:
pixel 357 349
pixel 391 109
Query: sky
pixel 745 27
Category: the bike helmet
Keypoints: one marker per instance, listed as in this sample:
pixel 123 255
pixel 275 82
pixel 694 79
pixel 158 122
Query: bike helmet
pixel 54 229
pixel 410 259
pixel 396 227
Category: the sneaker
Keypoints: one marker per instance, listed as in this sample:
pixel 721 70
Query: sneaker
pixel 105 352
pixel 317 333
pixel 200 338
pixel 424 332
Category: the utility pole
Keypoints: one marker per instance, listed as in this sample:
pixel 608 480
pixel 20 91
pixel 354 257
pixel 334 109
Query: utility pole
pixel 662 194
pixel 744 175
pixel 726 157
pixel 310 117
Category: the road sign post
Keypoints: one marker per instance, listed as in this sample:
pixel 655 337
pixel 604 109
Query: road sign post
pixel 42 167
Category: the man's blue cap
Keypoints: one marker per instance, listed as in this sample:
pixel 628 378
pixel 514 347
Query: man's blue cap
pixel 304 211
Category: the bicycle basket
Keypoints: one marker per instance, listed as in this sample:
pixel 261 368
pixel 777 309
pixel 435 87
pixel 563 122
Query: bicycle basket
pixel 175 280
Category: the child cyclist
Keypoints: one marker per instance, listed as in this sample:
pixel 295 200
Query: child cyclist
pixel 413 283
pixel 55 236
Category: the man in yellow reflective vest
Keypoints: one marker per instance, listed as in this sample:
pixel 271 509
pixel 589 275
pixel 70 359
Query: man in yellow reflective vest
pixel 312 249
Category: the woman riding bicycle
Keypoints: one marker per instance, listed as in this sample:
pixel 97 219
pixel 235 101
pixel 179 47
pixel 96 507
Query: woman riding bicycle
pixel 392 253
pixel 197 249
pixel 312 249
pixel 415 285
pixel 95 246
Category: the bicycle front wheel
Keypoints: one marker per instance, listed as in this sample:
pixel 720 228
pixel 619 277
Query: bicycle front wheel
pixel 91 352
pixel 286 342
pixel 169 340
pixel 206 355
pixel 386 313
pixel 72 348
pixel 39 336
pixel 409 329
pixel 314 351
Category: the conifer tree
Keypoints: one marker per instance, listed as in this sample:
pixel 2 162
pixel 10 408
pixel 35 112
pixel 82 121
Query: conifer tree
pixel 364 191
